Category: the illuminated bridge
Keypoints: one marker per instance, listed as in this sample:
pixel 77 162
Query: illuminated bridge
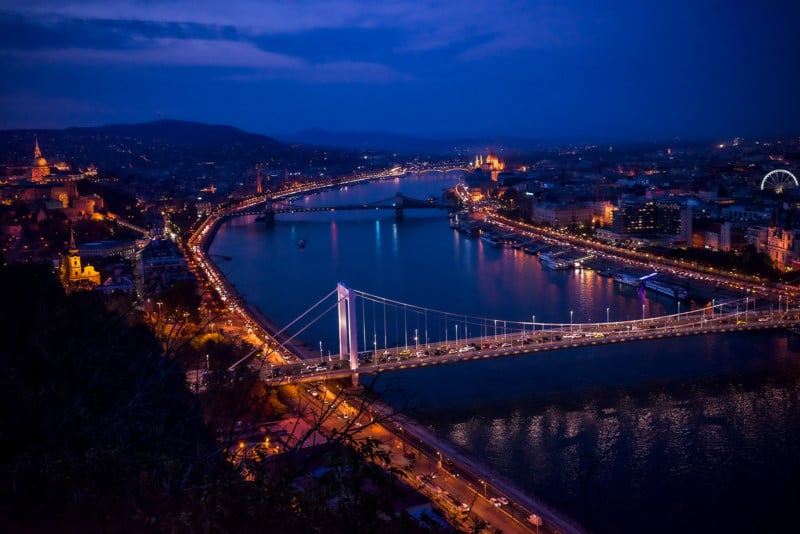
pixel 378 334
pixel 398 203
pixel 282 198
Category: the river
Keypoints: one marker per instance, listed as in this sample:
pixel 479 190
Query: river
pixel 687 433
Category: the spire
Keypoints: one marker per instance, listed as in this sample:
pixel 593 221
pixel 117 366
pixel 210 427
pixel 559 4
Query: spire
pixel 73 248
pixel 36 152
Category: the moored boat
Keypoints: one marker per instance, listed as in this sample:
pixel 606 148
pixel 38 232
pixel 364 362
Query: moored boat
pixel 666 289
pixel 490 239
pixel 628 279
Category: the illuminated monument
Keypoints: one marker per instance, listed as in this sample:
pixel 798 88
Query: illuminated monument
pixel 39 167
pixel 492 165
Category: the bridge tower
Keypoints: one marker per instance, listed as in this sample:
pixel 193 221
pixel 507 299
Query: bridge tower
pixel 398 205
pixel 269 212
pixel 348 330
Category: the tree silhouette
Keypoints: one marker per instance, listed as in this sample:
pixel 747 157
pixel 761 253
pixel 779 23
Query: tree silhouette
pixel 100 433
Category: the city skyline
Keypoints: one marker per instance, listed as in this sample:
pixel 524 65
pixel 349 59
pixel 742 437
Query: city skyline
pixel 431 69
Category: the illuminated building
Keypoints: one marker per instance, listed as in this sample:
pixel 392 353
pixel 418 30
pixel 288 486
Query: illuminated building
pixel 780 247
pixel 559 215
pixel 492 164
pixel 39 166
pixel 649 218
pixel 73 274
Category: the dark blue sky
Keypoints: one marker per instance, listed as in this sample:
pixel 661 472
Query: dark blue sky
pixel 580 69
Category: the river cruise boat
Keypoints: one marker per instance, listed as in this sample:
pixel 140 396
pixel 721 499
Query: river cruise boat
pixel 664 288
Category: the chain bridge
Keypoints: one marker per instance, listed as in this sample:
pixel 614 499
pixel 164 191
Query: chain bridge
pixel 398 203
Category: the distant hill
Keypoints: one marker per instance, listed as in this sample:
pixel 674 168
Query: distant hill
pixel 153 144
pixel 177 132
pixel 404 144
pixel 386 142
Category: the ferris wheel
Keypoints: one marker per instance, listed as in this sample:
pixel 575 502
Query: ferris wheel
pixel 778 180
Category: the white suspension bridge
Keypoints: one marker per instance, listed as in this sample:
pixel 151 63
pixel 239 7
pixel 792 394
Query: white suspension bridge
pixel 377 334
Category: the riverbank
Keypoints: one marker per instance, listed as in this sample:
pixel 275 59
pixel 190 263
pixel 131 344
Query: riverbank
pixel 522 504
pixel 476 473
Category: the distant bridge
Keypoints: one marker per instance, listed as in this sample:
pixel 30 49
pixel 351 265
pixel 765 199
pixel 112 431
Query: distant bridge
pixel 443 169
pixel 249 205
pixel 398 203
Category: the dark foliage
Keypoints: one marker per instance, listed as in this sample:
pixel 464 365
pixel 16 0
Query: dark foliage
pixel 96 424
pixel 99 433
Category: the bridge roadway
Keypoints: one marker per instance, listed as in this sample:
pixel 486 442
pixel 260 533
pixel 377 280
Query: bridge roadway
pixel 581 335
pixel 400 203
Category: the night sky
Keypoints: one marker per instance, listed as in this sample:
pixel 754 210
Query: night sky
pixel 574 69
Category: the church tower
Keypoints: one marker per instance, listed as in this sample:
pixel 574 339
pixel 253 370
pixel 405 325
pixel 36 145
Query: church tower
pixel 73 274
pixel 39 166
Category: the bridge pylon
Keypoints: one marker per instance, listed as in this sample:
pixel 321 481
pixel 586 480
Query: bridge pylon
pixel 348 331
pixel 269 212
pixel 398 205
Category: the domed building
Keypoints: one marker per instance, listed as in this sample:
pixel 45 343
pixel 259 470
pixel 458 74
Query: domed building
pixel 492 165
pixel 39 167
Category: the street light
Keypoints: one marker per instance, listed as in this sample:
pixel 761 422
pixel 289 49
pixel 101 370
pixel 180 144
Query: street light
pixel 535 520
pixel 642 312
pixel 608 312
pixel 416 339
pixel 570 320
pixel 456 335
pixel 321 357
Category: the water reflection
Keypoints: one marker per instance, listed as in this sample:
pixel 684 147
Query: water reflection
pixel 647 437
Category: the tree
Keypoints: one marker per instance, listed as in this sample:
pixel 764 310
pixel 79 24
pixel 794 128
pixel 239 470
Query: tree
pixel 106 436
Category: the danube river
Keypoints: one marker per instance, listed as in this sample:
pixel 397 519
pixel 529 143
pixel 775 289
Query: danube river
pixel 697 434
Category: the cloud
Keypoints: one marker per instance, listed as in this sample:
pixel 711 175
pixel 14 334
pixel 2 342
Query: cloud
pixel 263 64
pixel 353 71
pixel 426 24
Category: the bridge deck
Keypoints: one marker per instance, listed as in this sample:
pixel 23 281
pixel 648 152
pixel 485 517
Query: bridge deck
pixel 307 371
